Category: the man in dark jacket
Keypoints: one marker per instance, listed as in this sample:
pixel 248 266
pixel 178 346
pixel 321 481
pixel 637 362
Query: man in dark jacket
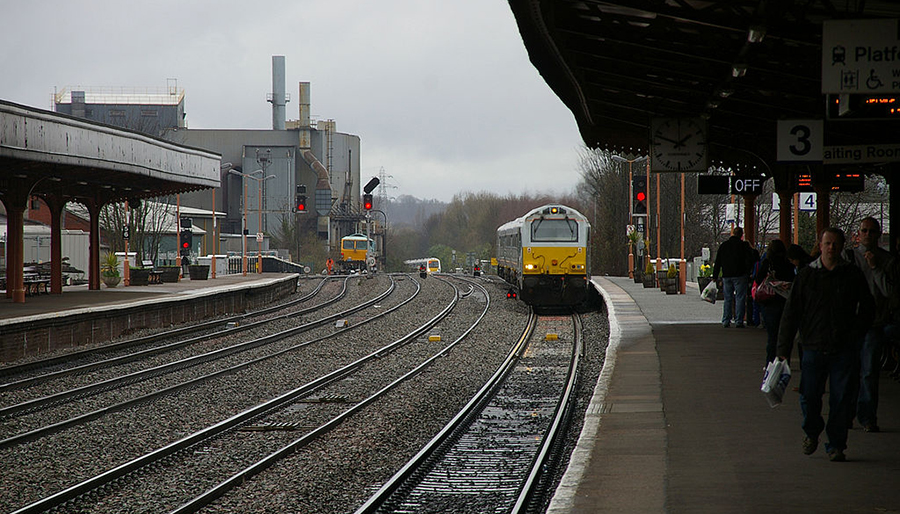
pixel 733 261
pixel 831 305
pixel 874 262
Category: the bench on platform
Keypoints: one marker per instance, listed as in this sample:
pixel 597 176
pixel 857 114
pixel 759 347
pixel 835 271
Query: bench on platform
pixel 155 276
pixel 36 284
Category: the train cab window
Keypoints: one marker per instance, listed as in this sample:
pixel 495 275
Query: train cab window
pixel 348 245
pixel 545 230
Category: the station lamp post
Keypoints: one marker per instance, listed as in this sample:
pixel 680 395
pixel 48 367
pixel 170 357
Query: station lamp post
pixel 244 176
pixel 259 182
pixel 637 201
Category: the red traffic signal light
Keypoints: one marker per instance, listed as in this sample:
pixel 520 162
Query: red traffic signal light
pixel 301 203
pixel 639 194
pixel 367 202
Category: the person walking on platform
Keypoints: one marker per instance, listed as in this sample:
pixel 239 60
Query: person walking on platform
pixel 776 264
pixel 874 262
pixel 733 261
pixel 832 307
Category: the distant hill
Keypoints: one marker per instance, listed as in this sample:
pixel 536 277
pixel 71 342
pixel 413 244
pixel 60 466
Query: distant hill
pixel 410 211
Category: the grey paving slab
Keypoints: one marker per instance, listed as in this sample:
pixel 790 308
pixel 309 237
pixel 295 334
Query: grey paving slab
pixel 714 445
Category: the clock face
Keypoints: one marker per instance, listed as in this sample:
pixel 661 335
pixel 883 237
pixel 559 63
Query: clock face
pixel 679 144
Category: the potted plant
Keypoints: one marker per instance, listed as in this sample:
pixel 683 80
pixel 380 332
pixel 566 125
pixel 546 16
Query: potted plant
pixel 138 276
pixel 672 280
pixel 109 270
pixel 649 275
pixel 169 274
pixel 704 276
pixel 198 271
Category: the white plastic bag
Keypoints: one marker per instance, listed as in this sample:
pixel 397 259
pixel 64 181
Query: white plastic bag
pixel 709 292
pixel 775 381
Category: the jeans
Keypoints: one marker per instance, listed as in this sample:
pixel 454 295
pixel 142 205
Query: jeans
pixel 869 367
pixel 841 370
pixel 771 314
pixel 735 290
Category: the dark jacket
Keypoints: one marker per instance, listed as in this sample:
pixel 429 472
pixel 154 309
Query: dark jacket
pixel 878 280
pixel 832 309
pixel 732 259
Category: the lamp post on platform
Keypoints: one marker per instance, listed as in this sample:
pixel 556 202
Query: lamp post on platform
pixel 631 214
pixel 244 176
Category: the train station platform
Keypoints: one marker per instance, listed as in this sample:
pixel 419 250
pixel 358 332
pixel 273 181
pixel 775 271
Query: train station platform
pixel 47 322
pixel 678 423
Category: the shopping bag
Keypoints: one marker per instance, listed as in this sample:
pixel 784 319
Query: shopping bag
pixel 709 292
pixel 775 381
pixel 770 288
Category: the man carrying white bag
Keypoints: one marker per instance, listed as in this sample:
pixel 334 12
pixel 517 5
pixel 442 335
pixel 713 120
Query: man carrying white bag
pixel 831 306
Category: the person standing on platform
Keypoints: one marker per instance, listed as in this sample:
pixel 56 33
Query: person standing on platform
pixel 776 263
pixel 874 262
pixel 832 307
pixel 733 261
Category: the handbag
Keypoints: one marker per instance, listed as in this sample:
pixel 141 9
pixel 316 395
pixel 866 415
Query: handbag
pixel 770 288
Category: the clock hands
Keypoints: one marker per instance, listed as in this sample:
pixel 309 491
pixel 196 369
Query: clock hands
pixel 676 144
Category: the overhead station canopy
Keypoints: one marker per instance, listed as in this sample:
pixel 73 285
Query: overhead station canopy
pixel 80 159
pixel 742 65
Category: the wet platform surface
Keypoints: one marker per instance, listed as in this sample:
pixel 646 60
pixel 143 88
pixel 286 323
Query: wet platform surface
pixel 678 424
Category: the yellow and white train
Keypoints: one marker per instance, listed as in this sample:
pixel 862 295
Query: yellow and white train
pixel 545 255
pixel 428 265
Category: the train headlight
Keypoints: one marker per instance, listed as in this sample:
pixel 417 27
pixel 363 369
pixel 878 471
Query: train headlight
pixel 530 267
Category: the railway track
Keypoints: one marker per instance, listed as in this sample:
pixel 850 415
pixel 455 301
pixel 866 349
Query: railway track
pixel 79 362
pixel 492 457
pixel 144 394
pixel 264 426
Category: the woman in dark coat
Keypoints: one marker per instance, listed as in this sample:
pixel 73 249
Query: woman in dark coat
pixel 776 263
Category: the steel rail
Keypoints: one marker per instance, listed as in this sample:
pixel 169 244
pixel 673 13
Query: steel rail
pixel 84 487
pixel 538 468
pixel 239 478
pixel 57 427
pixel 471 409
pixel 131 343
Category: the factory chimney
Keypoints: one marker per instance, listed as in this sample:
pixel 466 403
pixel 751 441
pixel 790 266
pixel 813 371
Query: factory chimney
pixel 277 96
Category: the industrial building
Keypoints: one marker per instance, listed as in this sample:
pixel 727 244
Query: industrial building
pixel 264 171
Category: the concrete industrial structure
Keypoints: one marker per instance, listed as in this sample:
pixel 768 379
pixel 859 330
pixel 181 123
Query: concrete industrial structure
pixel 292 153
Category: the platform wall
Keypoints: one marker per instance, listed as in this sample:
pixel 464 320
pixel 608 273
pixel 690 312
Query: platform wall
pixel 36 336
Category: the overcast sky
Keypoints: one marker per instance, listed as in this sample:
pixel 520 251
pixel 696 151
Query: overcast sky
pixel 440 92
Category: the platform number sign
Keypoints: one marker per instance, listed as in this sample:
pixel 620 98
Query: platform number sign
pixel 800 140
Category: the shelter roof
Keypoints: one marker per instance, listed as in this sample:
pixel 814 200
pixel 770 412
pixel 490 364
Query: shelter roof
pixel 740 64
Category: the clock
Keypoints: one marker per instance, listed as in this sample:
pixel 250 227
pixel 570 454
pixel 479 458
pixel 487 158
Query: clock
pixel 678 144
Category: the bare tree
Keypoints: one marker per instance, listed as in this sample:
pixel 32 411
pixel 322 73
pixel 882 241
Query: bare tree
pixel 148 222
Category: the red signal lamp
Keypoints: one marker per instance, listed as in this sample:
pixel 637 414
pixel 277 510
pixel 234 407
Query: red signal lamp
pixel 641 196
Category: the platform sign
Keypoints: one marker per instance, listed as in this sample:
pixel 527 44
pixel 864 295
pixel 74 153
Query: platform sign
pixel 861 154
pixel 861 56
pixel 800 140
pixel 806 202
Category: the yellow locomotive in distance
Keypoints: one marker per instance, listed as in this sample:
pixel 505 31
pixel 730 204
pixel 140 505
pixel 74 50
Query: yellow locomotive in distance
pixel 353 252
pixel 545 255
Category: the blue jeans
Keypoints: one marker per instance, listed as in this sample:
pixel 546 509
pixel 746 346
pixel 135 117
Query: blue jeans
pixel 869 367
pixel 735 291
pixel 841 370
